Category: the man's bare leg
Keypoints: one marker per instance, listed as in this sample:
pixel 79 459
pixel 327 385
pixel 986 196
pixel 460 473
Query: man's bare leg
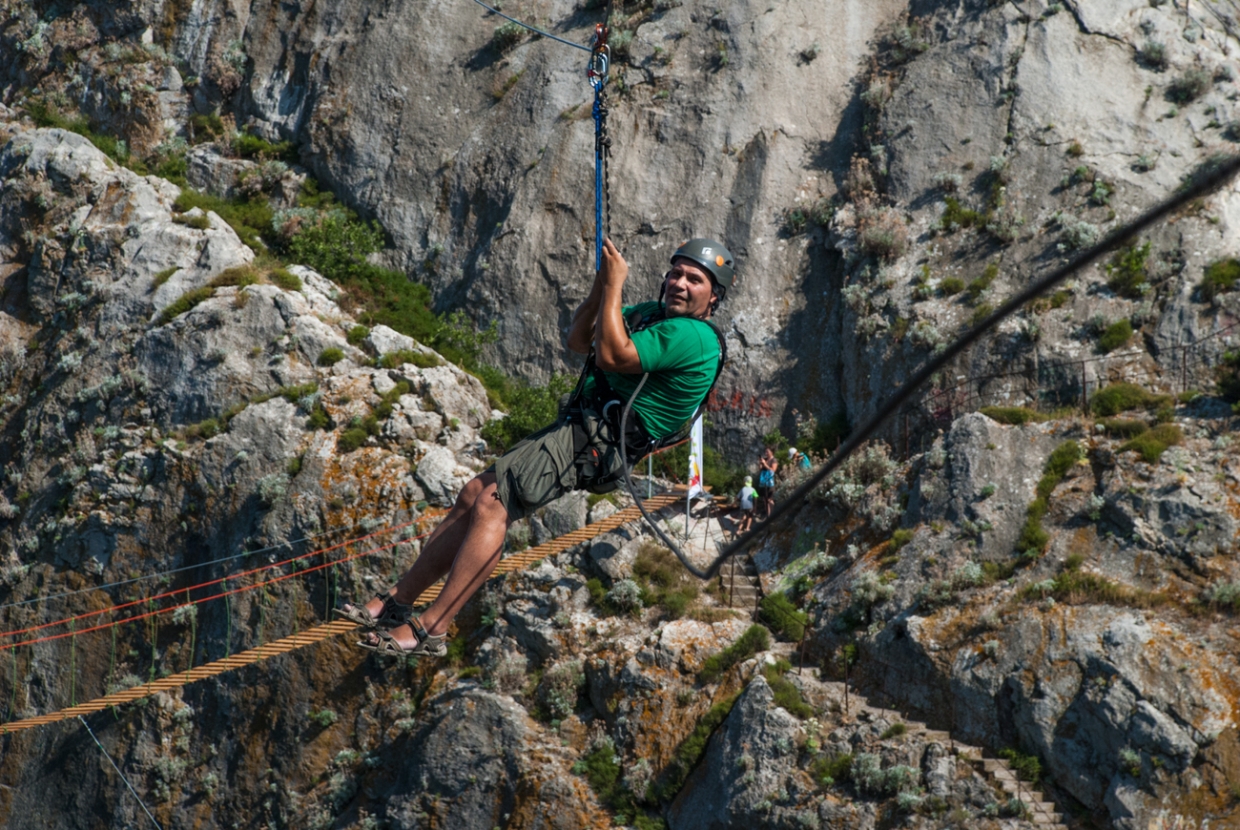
pixel 439 550
pixel 478 555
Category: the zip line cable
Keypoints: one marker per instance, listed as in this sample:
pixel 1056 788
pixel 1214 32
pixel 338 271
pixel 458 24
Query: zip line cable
pixel 1203 185
pixel 118 772
pixel 532 29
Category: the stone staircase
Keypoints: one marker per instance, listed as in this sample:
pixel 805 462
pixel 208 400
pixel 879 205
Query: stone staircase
pixel 1042 811
pixel 741 587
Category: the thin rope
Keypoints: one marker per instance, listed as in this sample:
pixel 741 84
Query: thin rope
pixel 73 665
pixel 118 772
pixel 208 583
pixel 159 574
pixel 170 609
pixel 531 28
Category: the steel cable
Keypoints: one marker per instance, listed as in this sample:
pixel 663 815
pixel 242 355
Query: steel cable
pixel 1205 183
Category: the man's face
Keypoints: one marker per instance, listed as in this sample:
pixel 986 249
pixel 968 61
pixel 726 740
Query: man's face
pixel 689 290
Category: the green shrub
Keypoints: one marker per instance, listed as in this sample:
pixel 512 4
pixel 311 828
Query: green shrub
pixel 783 616
pixel 894 731
pixel 1228 376
pixel 1189 86
pixel 980 313
pixel 184 303
pixel 1126 274
pixel 396 359
pixel 951 286
pixel 206 126
pixel 285 279
pixel 1013 415
pixel 1026 767
pixel 357 335
pixel 663 580
pixel 827 435
pixel 251 219
pixel 530 408
pixel 787 695
pixel 252 147
pixel 1033 537
pixel 1219 277
pixel 601 768
pixel 507 35
pixel 899 539
pixel 240 276
pixel 977 286
pixel 330 356
pixel 1124 428
pixel 1153 443
pixel 351 439
pixel 957 216
pixel 163 276
pixel 1122 397
pixel 1077 587
pixel 198 222
pixel 692 748
pixel 1116 335
pixel 827 770
pixel 721 475
pixel 755 639
pixel 319 419
pixel 204 429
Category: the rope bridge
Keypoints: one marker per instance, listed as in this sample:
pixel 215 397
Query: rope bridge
pixel 319 633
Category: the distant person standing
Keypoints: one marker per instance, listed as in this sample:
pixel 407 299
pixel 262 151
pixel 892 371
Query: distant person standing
pixel 768 466
pixel 746 499
pixel 798 460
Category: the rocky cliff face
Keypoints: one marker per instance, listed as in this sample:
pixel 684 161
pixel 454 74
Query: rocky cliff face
pixel 177 402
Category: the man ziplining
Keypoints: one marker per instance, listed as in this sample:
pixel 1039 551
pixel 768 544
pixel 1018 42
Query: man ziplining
pixel 668 341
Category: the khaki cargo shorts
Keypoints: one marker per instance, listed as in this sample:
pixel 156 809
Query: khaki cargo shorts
pixel 545 466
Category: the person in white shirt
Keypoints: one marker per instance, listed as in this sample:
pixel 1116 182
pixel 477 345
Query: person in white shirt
pixel 746 498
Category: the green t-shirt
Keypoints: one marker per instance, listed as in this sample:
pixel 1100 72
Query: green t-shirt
pixel 681 355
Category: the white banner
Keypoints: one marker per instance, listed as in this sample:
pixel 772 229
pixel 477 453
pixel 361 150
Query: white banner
pixel 695 458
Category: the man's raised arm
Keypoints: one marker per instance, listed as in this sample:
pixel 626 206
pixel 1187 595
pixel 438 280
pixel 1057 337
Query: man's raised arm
pixel 581 329
pixel 613 348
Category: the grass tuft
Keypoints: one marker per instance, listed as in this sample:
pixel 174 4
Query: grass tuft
pixel 783 616
pixel 755 639
pixel 1122 397
pixel 1152 443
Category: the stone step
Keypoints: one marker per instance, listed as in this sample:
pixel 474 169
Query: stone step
pixel 1047 819
pixel 969 753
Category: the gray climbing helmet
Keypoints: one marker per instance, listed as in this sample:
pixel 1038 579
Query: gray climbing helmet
pixel 712 256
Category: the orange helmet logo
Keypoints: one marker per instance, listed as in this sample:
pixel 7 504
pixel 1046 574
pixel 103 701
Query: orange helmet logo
pixel 719 260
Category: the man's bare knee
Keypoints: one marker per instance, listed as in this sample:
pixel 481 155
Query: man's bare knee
pixel 488 508
pixel 471 491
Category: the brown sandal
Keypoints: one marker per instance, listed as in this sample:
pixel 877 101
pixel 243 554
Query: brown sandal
pixel 391 615
pixel 432 645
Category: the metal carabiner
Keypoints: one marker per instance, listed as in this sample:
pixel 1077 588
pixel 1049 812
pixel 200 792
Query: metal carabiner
pixel 600 58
